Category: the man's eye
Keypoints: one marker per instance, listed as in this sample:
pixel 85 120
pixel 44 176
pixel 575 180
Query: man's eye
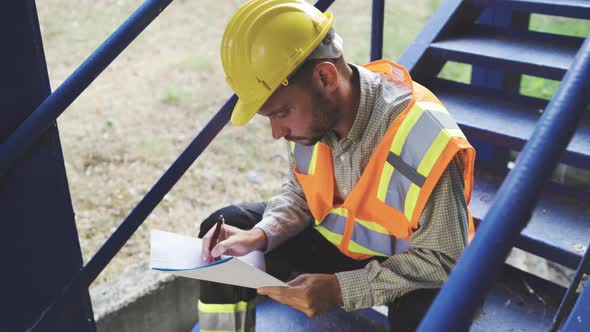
pixel 282 114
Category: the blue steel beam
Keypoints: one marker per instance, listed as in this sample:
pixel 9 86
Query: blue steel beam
pixel 39 247
pixel 54 105
pixel 458 300
pixel 377 29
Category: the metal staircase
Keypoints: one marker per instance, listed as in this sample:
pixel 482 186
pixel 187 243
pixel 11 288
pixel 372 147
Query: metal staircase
pixel 490 35
pixel 493 37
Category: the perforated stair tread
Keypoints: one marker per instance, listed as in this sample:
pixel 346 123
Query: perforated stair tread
pixel 518 301
pixel 559 229
pixel 495 117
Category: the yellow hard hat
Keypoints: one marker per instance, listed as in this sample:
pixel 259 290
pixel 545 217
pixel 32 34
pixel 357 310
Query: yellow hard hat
pixel 263 43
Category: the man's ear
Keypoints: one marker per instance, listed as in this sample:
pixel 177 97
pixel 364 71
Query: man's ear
pixel 325 77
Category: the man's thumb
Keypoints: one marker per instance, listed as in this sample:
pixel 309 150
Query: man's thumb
pixel 222 247
pixel 219 249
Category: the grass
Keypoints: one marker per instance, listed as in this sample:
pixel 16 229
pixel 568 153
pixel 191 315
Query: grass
pixel 121 134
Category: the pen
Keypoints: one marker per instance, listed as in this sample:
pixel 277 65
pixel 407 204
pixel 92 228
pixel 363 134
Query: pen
pixel 216 233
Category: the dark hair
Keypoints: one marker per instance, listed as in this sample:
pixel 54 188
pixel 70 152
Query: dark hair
pixel 302 75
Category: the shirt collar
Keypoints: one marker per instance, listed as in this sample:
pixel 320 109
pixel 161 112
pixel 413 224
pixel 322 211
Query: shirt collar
pixel 363 114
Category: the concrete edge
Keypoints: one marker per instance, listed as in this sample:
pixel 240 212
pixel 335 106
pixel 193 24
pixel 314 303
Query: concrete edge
pixel 146 300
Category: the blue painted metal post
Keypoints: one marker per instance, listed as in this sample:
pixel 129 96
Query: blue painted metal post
pixel 29 130
pixel 377 29
pixel 580 316
pixel 569 297
pixel 472 277
pixel 39 247
pixel 323 4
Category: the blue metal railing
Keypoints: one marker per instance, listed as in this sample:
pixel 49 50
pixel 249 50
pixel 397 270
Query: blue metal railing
pixel 377 29
pixel 495 237
pixel 323 4
pixel 458 300
pixel 137 216
pixel 55 105
pixel 569 296
pixel 577 319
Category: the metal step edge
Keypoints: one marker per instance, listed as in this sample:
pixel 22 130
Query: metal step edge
pixel 521 51
pixel 504 119
pixel 568 8
pixel 558 229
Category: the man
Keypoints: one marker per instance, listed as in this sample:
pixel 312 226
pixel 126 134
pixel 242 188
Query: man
pixel 375 209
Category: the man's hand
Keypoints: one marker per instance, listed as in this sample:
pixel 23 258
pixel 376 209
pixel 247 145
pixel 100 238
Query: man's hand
pixel 311 294
pixel 233 241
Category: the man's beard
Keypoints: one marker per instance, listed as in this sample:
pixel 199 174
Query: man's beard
pixel 324 118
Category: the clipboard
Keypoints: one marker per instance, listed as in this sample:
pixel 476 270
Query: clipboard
pixel 181 255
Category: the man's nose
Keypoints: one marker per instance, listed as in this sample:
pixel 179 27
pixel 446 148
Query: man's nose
pixel 278 131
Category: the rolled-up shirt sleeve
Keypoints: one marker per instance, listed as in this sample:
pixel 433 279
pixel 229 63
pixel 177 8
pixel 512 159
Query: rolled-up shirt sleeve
pixel 287 213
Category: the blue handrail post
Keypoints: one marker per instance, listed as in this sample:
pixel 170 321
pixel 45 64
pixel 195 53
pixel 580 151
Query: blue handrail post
pixel 323 4
pixel 569 296
pixel 378 14
pixel 39 247
pixel 514 202
pixel 578 318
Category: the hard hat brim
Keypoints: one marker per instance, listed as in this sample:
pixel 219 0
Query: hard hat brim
pixel 244 111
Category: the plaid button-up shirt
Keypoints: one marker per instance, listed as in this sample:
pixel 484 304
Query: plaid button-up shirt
pixel 443 227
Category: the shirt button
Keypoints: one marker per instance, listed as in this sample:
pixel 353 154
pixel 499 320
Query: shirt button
pixel 342 157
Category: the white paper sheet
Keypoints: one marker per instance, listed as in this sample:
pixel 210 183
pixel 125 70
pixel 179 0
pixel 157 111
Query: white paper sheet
pixel 181 255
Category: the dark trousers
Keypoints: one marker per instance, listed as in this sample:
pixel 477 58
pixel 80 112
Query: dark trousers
pixel 307 252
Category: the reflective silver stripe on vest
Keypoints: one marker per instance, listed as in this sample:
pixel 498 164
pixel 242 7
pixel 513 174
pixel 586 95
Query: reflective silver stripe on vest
pixel 228 321
pixel 402 245
pixel 420 138
pixel 303 154
pixel 334 223
pixel 397 190
pixel 375 241
pixel 423 134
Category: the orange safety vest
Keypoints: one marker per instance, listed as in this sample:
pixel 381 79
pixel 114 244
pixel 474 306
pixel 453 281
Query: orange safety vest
pixel 381 212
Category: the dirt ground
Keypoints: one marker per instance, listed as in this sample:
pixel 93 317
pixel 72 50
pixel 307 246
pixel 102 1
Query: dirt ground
pixel 124 131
